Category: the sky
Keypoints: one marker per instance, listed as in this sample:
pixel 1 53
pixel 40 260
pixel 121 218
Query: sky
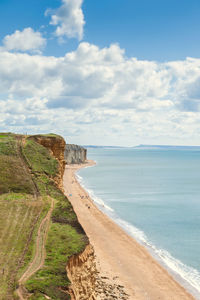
pixel 109 72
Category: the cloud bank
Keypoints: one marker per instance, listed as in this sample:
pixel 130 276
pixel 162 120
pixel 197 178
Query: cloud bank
pixel 99 95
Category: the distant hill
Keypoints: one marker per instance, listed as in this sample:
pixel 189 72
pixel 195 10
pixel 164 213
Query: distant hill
pixel 102 147
pixel 166 147
pixel 145 147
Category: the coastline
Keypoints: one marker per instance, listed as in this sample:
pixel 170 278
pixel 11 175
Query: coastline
pixel 118 256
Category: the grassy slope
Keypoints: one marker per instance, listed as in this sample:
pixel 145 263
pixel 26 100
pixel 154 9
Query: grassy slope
pixel 11 163
pixel 21 212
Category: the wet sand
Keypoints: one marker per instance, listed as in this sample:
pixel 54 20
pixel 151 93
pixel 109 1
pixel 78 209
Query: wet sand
pixel 119 257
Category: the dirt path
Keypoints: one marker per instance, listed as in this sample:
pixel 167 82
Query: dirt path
pixel 39 257
pixel 20 144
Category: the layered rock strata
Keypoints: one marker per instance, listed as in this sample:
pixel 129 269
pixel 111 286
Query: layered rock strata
pixel 81 270
pixel 75 154
pixel 86 281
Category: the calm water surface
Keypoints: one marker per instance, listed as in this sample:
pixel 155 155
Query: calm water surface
pixel 155 196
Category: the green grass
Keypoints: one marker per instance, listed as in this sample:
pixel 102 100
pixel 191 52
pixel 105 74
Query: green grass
pixel 13 175
pixel 40 159
pixel 8 146
pixel 64 214
pixel 21 213
pixel 66 236
pixel 18 218
pixel 63 241
pixel 6 135
pixel 48 135
pixel 16 196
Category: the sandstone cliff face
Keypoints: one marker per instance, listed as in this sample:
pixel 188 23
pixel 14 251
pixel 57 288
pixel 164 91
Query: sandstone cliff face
pixel 81 270
pixel 56 145
pixel 75 154
pixel 87 283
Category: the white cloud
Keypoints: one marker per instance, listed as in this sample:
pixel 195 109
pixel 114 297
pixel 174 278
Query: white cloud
pixel 25 40
pixel 69 19
pixel 99 96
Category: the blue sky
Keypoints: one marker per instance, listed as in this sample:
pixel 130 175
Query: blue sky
pixel 147 29
pixel 118 72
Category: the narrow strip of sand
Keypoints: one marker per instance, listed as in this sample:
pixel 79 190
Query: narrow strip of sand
pixel 119 255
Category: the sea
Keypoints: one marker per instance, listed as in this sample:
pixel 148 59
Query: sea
pixel 153 193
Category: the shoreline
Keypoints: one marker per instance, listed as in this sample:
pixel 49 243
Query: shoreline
pixel 118 255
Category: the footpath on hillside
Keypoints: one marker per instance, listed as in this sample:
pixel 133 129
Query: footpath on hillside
pixel 39 257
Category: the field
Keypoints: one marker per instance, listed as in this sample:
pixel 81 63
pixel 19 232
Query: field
pixel 18 218
pixel 38 227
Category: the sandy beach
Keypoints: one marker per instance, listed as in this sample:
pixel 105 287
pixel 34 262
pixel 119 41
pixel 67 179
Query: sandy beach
pixel 119 257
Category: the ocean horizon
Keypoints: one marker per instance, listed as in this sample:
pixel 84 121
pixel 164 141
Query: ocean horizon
pixel 153 194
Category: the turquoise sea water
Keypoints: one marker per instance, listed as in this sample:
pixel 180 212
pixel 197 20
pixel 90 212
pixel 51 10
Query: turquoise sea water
pixel 155 196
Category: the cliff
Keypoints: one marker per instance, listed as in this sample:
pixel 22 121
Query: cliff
pixel 75 154
pixel 81 267
pixel 85 280
pixel 31 175
pixel 82 272
pixel 56 145
pixel 87 283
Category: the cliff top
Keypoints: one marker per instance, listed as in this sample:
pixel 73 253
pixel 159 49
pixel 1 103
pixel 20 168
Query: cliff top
pixel 48 135
pixel 73 147
pixel 29 175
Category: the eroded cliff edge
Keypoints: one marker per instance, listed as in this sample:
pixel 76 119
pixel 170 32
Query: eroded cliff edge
pixel 86 282
pixel 56 145
pixel 81 268
pixel 82 273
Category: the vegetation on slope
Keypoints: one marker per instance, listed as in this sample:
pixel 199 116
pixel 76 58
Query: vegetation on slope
pixel 27 170
pixel 11 163
pixel 19 213
pixel 39 159
pixel 65 234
